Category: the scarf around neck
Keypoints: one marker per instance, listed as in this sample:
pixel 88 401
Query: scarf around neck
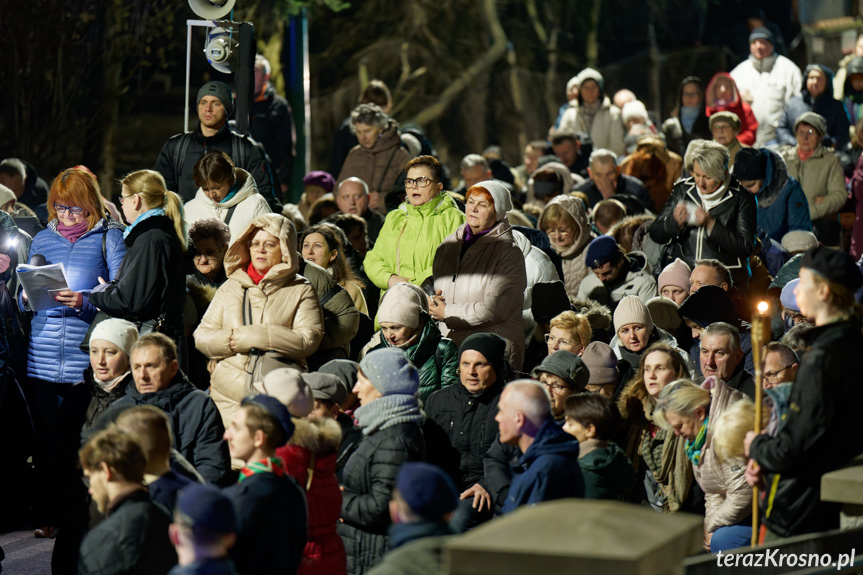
pixel 688 115
pixel 231 193
pixel 145 216
pixel 388 411
pixel 268 465
pixel 693 448
pixel 254 274
pixel 72 233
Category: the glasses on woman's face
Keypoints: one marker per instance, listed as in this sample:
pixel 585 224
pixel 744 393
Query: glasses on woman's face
pixel 123 198
pixel 561 343
pixel 266 246
pixel 421 182
pixel 555 387
pixel 74 210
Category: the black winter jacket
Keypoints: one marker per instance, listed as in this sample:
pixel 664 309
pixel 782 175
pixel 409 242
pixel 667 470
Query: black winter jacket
pixel 368 480
pixel 244 151
pixel 132 540
pixel 273 524
pixel 732 240
pixel 273 128
pixel 820 432
pixel 195 420
pixel 151 280
pixel 460 428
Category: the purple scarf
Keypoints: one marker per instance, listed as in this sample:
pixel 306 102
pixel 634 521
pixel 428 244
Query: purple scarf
pixel 470 237
pixel 72 233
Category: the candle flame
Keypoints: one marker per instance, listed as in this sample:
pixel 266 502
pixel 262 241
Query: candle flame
pixel 762 307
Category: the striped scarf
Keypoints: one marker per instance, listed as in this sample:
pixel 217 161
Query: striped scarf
pixel 268 465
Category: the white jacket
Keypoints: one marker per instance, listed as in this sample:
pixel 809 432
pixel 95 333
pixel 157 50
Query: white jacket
pixel 539 268
pixel 607 130
pixel 250 204
pixel 771 82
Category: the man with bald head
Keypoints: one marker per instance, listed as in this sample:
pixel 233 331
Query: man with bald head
pixel 548 468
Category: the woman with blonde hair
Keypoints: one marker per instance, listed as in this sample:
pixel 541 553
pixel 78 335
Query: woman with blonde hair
pixel 568 331
pixel 150 286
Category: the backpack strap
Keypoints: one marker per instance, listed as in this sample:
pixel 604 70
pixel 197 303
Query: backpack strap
pixel 230 214
pixel 180 155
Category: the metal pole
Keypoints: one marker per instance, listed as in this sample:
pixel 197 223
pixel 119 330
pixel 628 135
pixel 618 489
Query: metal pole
pixel 189 25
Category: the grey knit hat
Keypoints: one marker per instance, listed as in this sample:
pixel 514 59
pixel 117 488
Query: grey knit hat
pixel 326 386
pixel 391 372
pixel 601 363
pixel 817 121
pixel 344 369
pixel 120 332
pixel 402 305
pixel 632 310
pixel 565 365
pixel 221 91
pixel 501 196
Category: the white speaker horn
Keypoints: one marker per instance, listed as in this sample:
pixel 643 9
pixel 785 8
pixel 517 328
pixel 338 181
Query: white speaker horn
pixel 212 9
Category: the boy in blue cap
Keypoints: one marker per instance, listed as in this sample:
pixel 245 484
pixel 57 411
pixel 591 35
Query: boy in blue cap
pixel 203 531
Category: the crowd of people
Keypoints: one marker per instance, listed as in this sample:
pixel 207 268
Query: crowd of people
pixel 343 384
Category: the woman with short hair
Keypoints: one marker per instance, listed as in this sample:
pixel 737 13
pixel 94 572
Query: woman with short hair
pixel 569 331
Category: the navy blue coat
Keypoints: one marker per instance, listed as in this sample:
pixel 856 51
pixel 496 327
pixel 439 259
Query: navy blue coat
pixel 54 354
pixel 833 111
pixel 548 470
pixel 782 205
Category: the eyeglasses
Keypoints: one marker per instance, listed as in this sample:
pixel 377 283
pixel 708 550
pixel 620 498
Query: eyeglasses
pixel 556 387
pixel 597 388
pixel 59 208
pixel 774 374
pixel 422 182
pixel 267 246
pixel 122 198
pixel 209 254
pixel 805 132
pixel 550 339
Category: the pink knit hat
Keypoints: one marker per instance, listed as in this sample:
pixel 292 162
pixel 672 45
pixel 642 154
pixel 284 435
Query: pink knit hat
pixel 675 274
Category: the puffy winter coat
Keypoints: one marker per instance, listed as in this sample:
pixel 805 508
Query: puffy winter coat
pixel 380 165
pixel 820 176
pixel 407 242
pixel 286 315
pixel 727 496
pixel 539 268
pixel 782 205
pixel 368 479
pixel 483 288
pixel 548 470
pixel 56 333
pixel 748 121
pixel 572 258
pixel 429 349
pixel 195 421
pixel 247 204
pixel 341 317
pixel 151 280
pixel 310 458
pixel 732 240
pixel 607 129
pixel 771 81
pixel 826 105
pixel 459 429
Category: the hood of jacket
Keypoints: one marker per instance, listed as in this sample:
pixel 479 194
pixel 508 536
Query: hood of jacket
pixel 425 345
pixel 559 169
pixel 775 178
pixel 591 74
pixel 607 459
pixel 551 439
pixel 710 98
pixel 854 67
pixel 388 140
pixel 684 82
pixel 318 435
pixel 499 230
pixel 166 399
pixel 576 210
pixel 247 185
pixel 238 256
pixel 828 88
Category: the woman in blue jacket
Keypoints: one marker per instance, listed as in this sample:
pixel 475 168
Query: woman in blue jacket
pixel 89 243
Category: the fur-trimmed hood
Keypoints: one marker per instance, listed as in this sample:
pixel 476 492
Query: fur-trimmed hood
pixel 321 436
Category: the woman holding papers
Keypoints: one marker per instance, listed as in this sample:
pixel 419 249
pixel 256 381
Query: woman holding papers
pixel 89 244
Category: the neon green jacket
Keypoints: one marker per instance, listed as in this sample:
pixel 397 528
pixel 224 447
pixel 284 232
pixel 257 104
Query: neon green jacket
pixel 409 239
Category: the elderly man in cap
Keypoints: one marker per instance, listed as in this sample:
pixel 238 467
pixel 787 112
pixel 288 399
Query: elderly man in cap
pixel 615 274
pixel 177 159
pixel 562 373
pixel 725 126
pixel 459 418
pixel 423 500
pixel 789 310
pixel 821 428
pixel 604 369
pixel 272 507
pixel 767 81
pixel 203 532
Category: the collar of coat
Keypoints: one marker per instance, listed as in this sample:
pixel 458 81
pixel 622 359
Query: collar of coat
pixel 733 188
pixel 442 201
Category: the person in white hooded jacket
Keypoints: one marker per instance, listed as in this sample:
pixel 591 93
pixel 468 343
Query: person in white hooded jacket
pixel 539 268
pixel 593 113
pixel 226 193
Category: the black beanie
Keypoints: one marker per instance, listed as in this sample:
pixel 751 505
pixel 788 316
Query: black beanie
pixel 709 305
pixel 548 300
pixel 491 346
pixel 750 164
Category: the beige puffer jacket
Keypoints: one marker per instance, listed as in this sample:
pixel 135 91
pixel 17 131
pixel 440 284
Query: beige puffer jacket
pixel 727 496
pixel 574 268
pixel 286 315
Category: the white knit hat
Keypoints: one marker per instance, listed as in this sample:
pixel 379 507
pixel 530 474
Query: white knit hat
pixel 402 305
pixel 6 195
pixel 120 332
pixel 634 109
pixel 288 386
pixel 632 310
pixel 501 196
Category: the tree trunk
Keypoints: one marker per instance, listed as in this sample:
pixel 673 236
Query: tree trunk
pixel 109 118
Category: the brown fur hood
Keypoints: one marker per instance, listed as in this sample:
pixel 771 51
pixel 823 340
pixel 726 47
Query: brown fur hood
pixel 634 401
pixel 319 435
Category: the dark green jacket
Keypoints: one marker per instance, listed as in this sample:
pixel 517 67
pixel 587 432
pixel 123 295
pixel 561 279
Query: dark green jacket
pixel 608 473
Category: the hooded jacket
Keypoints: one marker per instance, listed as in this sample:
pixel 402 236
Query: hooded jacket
pixel 826 105
pixel 748 123
pixel 407 242
pixel 607 472
pixel 782 205
pixel 483 287
pixel 286 315
pixel 380 165
pixel 676 136
pixel 638 281
pixel 57 333
pixel 607 129
pixel 310 458
pixel 548 470
pixel 539 268
pixel 572 257
pixel 771 81
pixel 247 204
pixel 567 178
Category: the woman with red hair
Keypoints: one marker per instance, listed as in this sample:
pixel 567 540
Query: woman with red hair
pixel 479 274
